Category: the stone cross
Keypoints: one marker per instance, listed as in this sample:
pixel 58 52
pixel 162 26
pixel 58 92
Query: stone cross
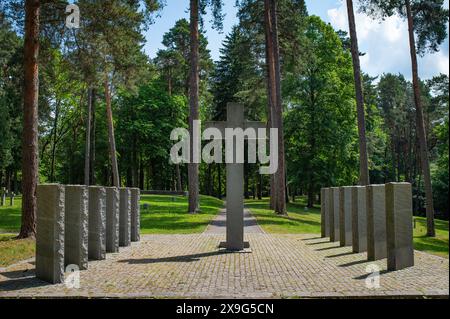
pixel 235 179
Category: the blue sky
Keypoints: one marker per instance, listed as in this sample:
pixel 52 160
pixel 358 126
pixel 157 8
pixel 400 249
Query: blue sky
pixel 385 44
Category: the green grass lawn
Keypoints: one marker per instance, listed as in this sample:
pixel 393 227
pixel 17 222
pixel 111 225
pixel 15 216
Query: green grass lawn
pixel 12 250
pixel 165 215
pixel 307 221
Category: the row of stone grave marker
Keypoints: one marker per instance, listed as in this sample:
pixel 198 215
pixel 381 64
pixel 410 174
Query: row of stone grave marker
pixel 4 194
pixel 78 223
pixel 376 219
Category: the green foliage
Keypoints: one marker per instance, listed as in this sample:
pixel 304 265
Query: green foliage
pixel 320 123
pixel 146 120
pixel 10 98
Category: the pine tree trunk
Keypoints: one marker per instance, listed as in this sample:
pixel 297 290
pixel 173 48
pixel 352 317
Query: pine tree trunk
pixel 421 126
pixel 219 182
pixel 363 159
pixel 193 179
pixel 54 137
pixel 112 141
pixel 87 158
pixel 92 152
pixel 274 77
pixel 30 119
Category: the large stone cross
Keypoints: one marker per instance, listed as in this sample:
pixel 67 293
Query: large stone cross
pixel 235 179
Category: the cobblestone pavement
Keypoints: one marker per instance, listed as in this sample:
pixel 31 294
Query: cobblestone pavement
pixel 192 266
pixel 218 225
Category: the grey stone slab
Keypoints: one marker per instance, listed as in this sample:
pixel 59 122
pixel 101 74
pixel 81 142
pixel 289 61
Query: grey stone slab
pixel 97 223
pixel 76 226
pixel 324 210
pixel 135 214
pixel 399 230
pixel 50 233
pixel 334 214
pixel 345 216
pixel 112 219
pixel 376 222
pixel 359 219
pixel 125 217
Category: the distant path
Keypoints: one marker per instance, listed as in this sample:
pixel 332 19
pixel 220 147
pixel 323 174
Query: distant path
pixel 218 224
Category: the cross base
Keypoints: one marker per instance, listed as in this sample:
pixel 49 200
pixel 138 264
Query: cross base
pixel 223 246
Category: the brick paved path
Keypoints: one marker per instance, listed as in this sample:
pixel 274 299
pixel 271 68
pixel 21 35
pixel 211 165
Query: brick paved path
pixel 218 225
pixel 192 266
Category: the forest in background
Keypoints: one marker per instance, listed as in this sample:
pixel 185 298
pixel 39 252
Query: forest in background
pixel 103 61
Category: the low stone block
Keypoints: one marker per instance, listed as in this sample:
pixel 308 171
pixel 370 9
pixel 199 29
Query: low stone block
pixel 112 219
pixel 135 214
pixel 125 217
pixel 76 226
pixel 359 219
pixel 399 230
pixel 50 233
pixel 334 214
pixel 376 222
pixel 345 216
pixel 97 223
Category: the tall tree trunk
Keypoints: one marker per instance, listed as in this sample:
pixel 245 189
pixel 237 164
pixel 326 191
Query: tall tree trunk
pixel 193 179
pixel 54 137
pixel 363 159
pixel 92 152
pixel 274 77
pixel 260 186
pixel 87 158
pixel 219 182
pixel 112 141
pixel 30 119
pixel 421 126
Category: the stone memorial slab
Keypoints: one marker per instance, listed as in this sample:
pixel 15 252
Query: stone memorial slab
pixel 345 216
pixel 324 209
pixel 125 217
pixel 112 219
pixel 135 214
pixel 359 219
pixel 376 222
pixel 50 233
pixel 334 214
pixel 97 223
pixel 399 230
pixel 76 226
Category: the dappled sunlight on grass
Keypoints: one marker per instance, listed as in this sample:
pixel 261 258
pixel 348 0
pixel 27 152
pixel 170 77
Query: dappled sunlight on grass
pixel 299 220
pixel 13 250
pixel 437 245
pixel 10 216
pixel 168 214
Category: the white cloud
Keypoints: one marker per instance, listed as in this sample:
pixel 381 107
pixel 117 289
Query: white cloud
pixel 386 45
